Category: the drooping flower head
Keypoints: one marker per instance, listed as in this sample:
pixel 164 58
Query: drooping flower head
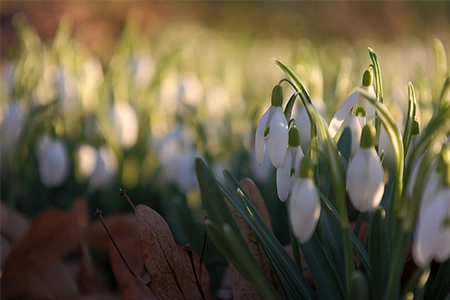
pixel 289 170
pixel 354 112
pixel 304 203
pixel 273 127
pixel 365 176
pixel 432 234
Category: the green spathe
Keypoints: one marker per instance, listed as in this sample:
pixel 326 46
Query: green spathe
pixel 277 95
pixel 368 136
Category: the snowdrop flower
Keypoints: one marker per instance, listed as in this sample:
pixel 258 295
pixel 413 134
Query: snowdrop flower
pixel 87 159
pixel 105 168
pixel 273 126
pixel 304 203
pixel 126 122
pixel 289 170
pixel 358 109
pixel 143 69
pixel 261 173
pixel 53 161
pixel 365 176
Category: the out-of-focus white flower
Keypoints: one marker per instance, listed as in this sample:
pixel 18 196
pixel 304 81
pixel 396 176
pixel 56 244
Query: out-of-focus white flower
pixel 143 68
pixel 289 170
pixel 105 168
pixel 304 203
pixel 432 235
pixel 66 87
pixel 190 89
pixel 177 158
pixel 12 126
pixel 53 162
pixel 87 159
pixel 273 126
pixel 355 106
pixel 90 80
pixel 365 176
pixel 126 124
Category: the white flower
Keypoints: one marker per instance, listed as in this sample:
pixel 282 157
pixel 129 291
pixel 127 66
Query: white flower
pixel 365 176
pixel 273 126
pixel 289 170
pixel 87 159
pixel 105 168
pixel 261 173
pixel 126 122
pixel 432 235
pixel 357 106
pixel 53 162
pixel 304 204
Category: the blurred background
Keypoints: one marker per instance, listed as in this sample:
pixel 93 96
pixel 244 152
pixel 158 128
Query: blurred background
pixel 97 96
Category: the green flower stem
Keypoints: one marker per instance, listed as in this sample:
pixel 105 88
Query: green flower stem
pixel 294 243
pixel 331 150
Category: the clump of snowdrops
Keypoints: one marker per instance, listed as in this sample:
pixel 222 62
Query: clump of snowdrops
pixel 360 163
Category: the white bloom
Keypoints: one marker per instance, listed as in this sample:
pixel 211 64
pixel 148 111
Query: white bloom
pixel 143 69
pixel 289 170
pixel 126 123
pixel 432 235
pixel 365 176
pixel 53 162
pixel 275 122
pixel 261 173
pixel 304 209
pixel 87 159
pixel 355 106
pixel 105 168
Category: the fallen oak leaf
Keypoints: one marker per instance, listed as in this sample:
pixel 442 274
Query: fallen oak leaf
pixel 170 277
pixel 34 268
pixel 12 223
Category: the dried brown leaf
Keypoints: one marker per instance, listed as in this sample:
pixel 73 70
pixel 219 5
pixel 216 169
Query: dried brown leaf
pixel 242 289
pixel 33 268
pixel 88 277
pixel 130 287
pixel 170 277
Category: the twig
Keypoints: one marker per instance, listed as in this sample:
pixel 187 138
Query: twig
pixel 188 249
pixel 123 192
pixel 99 214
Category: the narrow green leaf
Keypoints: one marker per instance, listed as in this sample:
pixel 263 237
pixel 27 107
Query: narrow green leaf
pixel 410 117
pixel 291 278
pixel 379 253
pixel 289 106
pixel 441 284
pixel 323 274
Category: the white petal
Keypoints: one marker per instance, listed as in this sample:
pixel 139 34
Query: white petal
pixel 259 137
pixel 278 137
pixel 443 249
pixel 365 180
pixel 304 209
pixel 342 113
pixel 54 164
pixel 283 177
pixel 353 122
pixel 304 125
pixel 427 238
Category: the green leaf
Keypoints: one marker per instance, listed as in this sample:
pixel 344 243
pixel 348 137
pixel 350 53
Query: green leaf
pixel 228 243
pixel 323 274
pixel 410 117
pixel 379 253
pixel 291 278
